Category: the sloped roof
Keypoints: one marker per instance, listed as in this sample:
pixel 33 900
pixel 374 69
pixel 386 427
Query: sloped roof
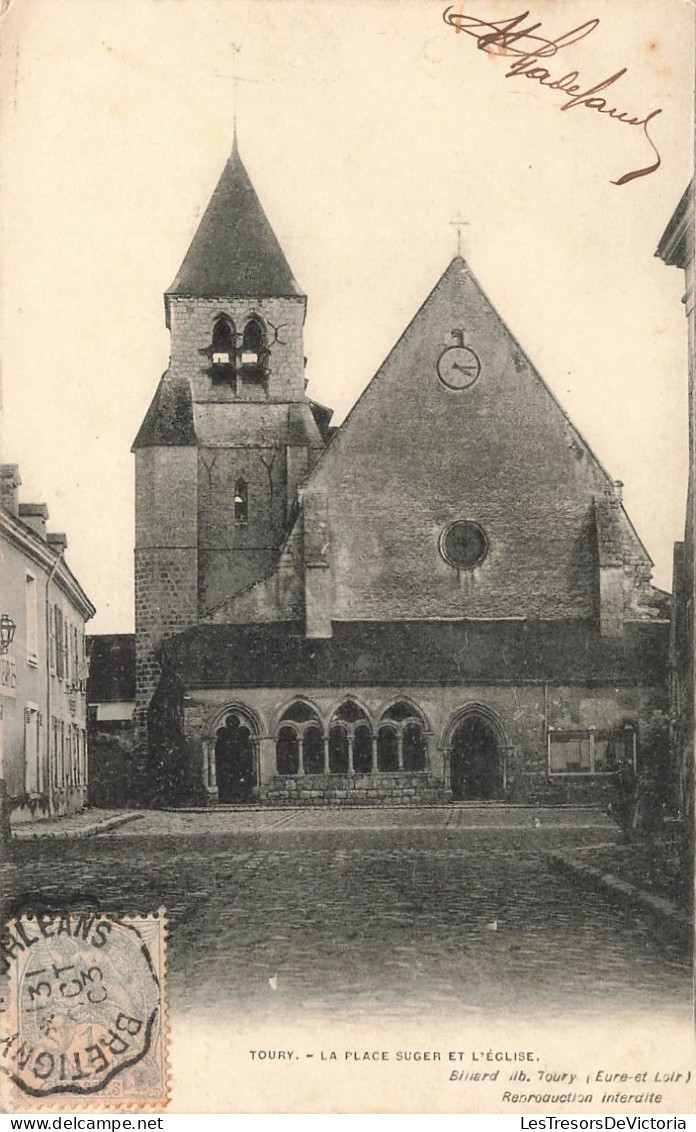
pixel 504 453
pixel 457 271
pixel 234 251
pixel 415 652
pixel 303 426
pixel 322 415
pixel 677 242
pixel 169 420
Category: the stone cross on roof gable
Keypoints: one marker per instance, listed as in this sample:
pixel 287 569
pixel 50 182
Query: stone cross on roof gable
pixel 459 224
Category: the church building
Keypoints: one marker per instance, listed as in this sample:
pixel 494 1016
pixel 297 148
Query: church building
pixel 442 599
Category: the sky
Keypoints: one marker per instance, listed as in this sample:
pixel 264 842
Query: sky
pixel 367 128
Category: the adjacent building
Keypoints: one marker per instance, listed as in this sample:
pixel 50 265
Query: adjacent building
pixel 444 598
pixel 110 707
pixel 43 668
pixel 676 248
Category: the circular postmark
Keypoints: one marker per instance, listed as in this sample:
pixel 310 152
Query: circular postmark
pixel 83 1004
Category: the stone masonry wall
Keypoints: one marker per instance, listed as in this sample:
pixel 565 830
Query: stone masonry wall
pixel 232 556
pixel 166 575
pixel 247 428
pixel 165 604
pixel 524 713
pixel 415 455
pixel 354 789
pixel 192 321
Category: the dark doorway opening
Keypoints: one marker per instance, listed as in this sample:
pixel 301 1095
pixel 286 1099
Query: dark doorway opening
pixel 476 764
pixel 234 762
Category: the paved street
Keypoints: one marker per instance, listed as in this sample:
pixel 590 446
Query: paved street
pixel 346 912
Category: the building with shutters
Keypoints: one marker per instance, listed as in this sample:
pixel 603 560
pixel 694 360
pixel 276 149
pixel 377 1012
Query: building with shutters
pixel 43 672
pixel 443 599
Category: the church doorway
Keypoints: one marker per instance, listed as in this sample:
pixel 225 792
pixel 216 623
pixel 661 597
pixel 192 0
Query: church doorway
pixel 476 760
pixel 234 761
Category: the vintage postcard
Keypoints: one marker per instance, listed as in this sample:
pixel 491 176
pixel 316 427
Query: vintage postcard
pixel 347 559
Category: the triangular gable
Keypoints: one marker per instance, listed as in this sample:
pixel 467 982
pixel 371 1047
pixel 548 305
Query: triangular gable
pixel 414 456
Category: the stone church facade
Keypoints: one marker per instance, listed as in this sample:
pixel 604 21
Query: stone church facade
pixel 444 598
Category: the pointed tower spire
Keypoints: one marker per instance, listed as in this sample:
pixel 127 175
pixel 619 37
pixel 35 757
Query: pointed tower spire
pixel 235 251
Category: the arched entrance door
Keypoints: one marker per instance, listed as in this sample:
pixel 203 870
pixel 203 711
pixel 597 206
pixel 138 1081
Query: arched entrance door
pixel 234 761
pixel 476 760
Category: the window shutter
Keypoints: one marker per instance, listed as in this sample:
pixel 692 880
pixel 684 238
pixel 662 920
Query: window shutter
pixel 51 638
pixel 60 670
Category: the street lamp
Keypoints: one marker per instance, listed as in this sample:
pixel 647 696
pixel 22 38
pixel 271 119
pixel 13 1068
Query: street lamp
pixel 7 632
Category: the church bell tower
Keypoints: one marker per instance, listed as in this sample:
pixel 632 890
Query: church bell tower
pixel 230 432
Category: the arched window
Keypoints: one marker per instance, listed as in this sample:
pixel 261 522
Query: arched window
pixel 401 742
pixel 350 740
pixel 387 749
pixel 349 712
pixel 313 750
pixel 400 712
pixel 300 742
pixel 223 342
pixel 338 750
pixel 241 502
pixel 413 746
pixel 300 712
pixel 288 751
pixel 362 749
pixel 253 342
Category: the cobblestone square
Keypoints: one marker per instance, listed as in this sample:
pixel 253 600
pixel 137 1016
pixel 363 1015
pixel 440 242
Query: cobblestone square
pixel 453 910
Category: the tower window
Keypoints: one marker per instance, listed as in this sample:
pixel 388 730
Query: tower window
pixel 253 342
pixel 223 342
pixel 241 503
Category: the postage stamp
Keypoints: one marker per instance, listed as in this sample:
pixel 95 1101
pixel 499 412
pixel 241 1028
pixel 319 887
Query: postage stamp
pixel 84 1013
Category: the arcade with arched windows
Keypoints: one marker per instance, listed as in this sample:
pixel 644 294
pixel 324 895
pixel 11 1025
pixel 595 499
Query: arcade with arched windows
pixel 346 752
pixel 351 743
pixel 343 751
pixel 344 748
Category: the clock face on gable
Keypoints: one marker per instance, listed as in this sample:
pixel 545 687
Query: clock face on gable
pixel 458 367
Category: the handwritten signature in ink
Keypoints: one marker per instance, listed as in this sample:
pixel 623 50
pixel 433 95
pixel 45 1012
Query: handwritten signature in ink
pixel 509 37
